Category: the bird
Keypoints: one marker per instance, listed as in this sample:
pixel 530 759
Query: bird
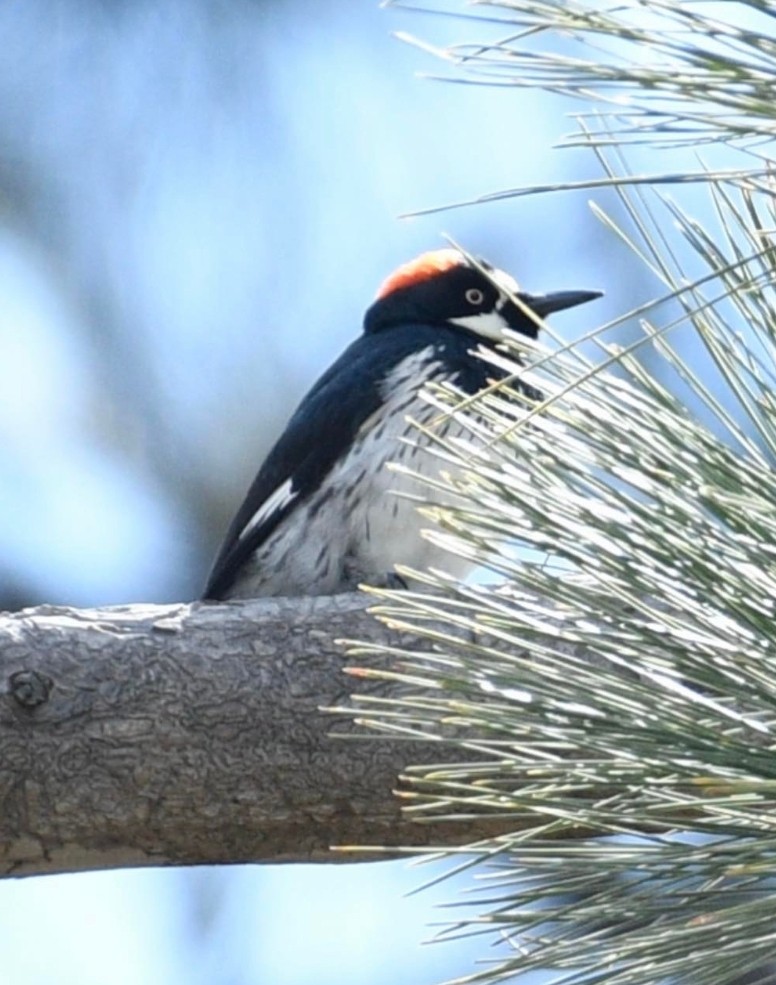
pixel 326 512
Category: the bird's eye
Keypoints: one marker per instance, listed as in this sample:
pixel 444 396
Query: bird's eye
pixel 474 295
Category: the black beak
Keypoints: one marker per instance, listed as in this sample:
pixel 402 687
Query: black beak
pixel 546 304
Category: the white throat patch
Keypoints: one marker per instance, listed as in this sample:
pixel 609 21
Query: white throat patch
pixel 491 324
pixel 488 324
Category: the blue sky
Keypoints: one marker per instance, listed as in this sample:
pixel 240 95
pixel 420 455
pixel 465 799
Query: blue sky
pixel 202 200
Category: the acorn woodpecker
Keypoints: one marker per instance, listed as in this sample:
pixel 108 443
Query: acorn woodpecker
pixel 324 513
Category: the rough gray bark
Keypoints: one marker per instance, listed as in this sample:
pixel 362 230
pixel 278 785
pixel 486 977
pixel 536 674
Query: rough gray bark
pixel 186 734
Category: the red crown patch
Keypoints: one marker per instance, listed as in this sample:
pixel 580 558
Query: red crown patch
pixel 424 267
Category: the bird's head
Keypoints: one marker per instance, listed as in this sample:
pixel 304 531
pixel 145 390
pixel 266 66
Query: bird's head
pixel 444 288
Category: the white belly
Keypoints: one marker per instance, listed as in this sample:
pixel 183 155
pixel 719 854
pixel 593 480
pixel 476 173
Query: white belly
pixel 365 519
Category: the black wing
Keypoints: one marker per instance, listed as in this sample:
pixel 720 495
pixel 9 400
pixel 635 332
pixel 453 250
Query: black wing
pixel 320 431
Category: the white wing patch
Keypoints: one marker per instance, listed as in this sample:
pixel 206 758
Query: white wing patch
pixel 278 500
pixel 371 508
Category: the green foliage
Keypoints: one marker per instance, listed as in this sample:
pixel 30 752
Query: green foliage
pixel 615 695
pixel 682 72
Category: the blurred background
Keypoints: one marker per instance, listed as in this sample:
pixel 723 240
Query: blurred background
pixel 198 200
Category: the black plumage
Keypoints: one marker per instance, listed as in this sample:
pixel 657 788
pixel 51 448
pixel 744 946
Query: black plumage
pixel 335 436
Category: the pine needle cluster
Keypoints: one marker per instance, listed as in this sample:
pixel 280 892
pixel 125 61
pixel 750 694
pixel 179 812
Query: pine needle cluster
pixel 612 684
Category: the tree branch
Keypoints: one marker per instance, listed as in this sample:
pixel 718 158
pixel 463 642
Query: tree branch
pixel 184 734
